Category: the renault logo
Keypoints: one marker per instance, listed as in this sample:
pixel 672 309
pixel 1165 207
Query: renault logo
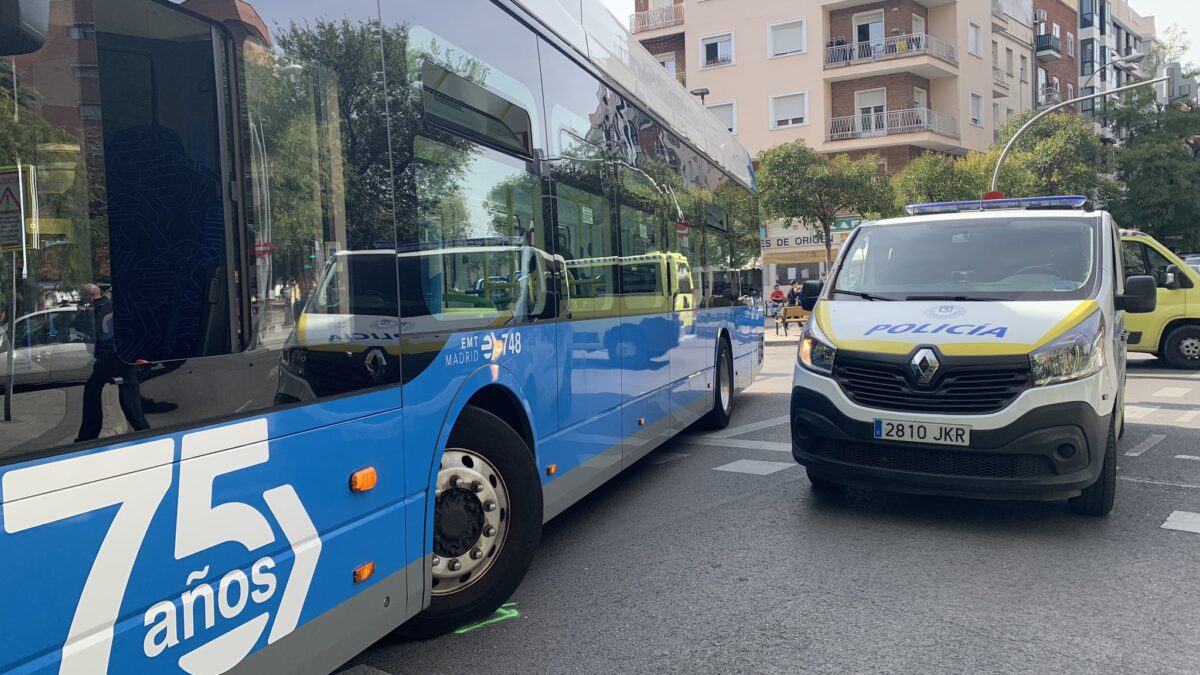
pixel 924 365
pixel 376 364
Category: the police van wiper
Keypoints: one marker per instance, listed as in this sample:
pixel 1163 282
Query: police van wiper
pixel 954 298
pixel 864 296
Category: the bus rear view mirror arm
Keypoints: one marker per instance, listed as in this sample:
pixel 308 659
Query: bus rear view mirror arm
pixel 23 26
pixel 809 292
pixel 1141 295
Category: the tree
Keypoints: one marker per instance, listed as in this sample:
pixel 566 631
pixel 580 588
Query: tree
pixel 797 183
pixel 1158 169
pixel 933 177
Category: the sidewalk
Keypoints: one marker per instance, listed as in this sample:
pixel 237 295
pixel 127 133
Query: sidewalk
pixel 791 338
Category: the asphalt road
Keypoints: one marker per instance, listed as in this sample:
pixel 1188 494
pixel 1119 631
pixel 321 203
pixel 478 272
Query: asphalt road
pixel 712 555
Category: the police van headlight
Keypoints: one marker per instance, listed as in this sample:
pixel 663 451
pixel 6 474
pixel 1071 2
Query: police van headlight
pixel 816 352
pixel 1073 355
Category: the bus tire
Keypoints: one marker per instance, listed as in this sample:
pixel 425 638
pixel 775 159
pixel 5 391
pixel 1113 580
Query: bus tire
pixel 1181 349
pixel 498 491
pixel 722 410
pixel 1097 498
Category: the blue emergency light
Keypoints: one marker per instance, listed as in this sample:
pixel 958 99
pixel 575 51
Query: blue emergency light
pixel 1028 203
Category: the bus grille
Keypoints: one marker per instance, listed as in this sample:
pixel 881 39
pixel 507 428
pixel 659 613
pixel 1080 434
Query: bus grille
pixel 934 460
pixel 959 389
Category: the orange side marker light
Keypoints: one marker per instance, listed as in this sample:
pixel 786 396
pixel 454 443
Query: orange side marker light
pixel 363 479
pixel 552 469
pixel 364 572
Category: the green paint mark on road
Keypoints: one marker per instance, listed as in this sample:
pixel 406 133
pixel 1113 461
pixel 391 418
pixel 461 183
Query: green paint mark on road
pixel 507 611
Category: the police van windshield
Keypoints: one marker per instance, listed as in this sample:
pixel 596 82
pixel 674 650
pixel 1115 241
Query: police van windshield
pixel 976 259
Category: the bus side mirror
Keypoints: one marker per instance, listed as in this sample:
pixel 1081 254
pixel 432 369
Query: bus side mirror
pixel 23 26
pixel 809 292
pixel 1141 295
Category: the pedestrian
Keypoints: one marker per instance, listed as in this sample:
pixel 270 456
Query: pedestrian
pixel 107 368
pixel 793 296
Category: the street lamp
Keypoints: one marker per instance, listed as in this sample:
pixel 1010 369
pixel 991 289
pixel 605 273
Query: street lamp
pixel 701 93
pixel 1132 58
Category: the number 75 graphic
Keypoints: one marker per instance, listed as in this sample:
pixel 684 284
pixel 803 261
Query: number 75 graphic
pixel 137 478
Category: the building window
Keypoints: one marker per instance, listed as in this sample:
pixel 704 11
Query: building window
pixel 668 62
pixel 789 110
pixel 82 31
pixel 1070 43
pixel 1070 91
pixel 1008 61
pixel 975 38
pixel 1024 68
pixel 995 54
pixel 787 38
pixel 726 113
pixel 1087 56
pixel 1087 10
pixel 1056 31
pixel 716 50
pixel 977 109
pixel 995 114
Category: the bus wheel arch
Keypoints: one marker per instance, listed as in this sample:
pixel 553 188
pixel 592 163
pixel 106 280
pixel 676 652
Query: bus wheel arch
pixel 724 384
pixel 503 403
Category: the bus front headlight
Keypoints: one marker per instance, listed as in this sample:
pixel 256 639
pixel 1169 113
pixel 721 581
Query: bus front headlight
pixel 1073 355
pixel 816 352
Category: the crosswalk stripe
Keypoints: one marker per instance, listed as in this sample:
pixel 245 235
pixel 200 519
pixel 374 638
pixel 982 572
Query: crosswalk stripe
pixel 1151 441
pixel 1184 521
pixel 747 428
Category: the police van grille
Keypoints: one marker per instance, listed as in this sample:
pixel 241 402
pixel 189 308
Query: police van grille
pixel 962 390
pixel 935 460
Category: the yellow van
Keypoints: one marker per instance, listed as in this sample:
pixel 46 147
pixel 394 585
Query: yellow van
pixel 1172 331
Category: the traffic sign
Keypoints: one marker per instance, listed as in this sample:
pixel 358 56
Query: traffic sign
pixel 263 249
pixel 12 234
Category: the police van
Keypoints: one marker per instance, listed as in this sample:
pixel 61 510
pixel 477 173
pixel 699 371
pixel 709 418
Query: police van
pixel 973 349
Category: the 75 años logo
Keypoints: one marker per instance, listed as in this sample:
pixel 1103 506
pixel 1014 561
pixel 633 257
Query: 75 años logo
pixel 136 479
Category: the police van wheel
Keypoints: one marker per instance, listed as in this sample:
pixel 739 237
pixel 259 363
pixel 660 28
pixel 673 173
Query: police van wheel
pixel 722 410
pixel 486 525
pixel 1182 348
pixel 1097 498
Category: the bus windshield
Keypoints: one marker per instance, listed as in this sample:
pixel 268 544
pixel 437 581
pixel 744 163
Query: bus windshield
pixel 975 259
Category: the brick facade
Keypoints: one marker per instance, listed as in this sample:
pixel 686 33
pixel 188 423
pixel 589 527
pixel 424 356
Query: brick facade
pixel 644 5
pixel 897 156
pixel 666 44
pixel 899 91
pixel 1065 69
pixel 897 18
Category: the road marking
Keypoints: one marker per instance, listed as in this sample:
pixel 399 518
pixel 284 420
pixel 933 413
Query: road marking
pixel 1187 457
pixel 664 457
pixel 1172 392
pixel 1188 416
pixel 1151 441
pixel 1147 481
pixel 1184 521
pixel 507 611
pixel 755 467
pixel 747 428
pixel 737 443
pixel 1137 412
pixel 363 670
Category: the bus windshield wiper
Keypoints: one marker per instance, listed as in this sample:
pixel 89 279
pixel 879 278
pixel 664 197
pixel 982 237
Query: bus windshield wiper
pixel 954 298
pixel 864 296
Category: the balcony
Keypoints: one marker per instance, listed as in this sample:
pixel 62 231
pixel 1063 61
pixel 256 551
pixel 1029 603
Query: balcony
pixel 1049 47
pixel 1048 96
pixel 654 19
pixel 891 123
pixel 895 47
pixel 999 81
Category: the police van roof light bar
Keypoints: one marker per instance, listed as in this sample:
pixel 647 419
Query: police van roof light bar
pixel 1027 203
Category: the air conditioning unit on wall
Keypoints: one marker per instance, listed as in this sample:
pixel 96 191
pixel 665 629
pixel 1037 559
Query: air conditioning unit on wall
pixel 1039 16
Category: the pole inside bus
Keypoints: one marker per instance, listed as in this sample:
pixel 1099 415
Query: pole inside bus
pixel 1012 141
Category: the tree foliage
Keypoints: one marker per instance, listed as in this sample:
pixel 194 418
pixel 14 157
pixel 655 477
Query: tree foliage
pixel 797 183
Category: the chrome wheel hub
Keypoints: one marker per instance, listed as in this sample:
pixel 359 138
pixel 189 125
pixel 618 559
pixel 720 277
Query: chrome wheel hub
pixel 470 520
pixel 1190 347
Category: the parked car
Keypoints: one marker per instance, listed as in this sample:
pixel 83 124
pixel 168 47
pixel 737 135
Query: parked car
pixel 53 345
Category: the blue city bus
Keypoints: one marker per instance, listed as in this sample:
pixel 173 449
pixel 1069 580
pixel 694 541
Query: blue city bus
pixel 315 312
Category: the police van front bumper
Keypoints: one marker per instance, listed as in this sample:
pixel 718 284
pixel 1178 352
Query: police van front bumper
pixel 1035 449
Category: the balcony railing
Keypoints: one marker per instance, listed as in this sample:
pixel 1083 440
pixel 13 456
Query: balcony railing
pixel 897 46
pixel 1049 45
pixel 999 76
pixel 1048 96
pixel 892 122
pixel 663 17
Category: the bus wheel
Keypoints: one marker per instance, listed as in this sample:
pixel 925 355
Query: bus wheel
pixel 1182 348
pixel 487 521
pixel 722 410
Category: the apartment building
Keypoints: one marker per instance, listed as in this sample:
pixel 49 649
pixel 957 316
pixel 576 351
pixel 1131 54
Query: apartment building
pixel 1056 24
pixel 1113 41
pixel 896 78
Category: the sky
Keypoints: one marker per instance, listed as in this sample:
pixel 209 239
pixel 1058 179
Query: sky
pixel 1186 13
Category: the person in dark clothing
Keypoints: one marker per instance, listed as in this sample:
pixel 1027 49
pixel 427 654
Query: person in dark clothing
pixel 793 298
pixel 108 368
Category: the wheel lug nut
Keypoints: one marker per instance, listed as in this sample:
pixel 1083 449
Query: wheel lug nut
pixel 455 566
pixel 436 561
pixel 476 554
pixel 477 486
pixel 489 506
pixel 456 481
pixel 489 531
